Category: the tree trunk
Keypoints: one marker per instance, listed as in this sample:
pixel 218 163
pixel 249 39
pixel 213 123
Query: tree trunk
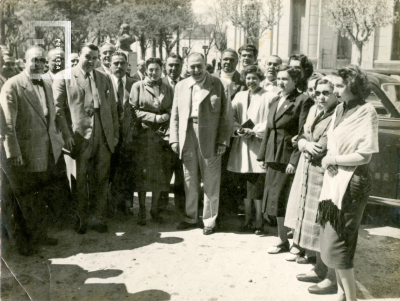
pixel 160 48
pixel 359 47
pixel 3 29
pixel 143 50
pixel 154 48
pixel 177 41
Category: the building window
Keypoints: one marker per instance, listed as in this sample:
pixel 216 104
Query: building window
pixel 343 48
pixel 298 25
pixel 396 35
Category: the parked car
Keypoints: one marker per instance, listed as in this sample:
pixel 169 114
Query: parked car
pixel 385 166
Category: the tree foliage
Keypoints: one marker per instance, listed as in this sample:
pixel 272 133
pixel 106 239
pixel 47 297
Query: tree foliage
pixel 253 16
pixel 357 19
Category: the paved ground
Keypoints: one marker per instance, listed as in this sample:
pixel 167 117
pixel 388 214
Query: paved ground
pixel 156 262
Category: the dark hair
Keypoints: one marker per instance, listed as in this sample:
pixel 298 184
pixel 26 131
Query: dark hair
pixel 315 76
pixel 174 56
pixel 91 46
pixel 294 73
pixel 210 68
pixel 118 53
pixel 356 80
pixel 231 51
pixel 252 69
pixel 306 65
pixel 154 60
pixel 249 47
pixel 323 81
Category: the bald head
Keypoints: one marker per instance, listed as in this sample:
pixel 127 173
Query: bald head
pixel 35 60
pixel 56 59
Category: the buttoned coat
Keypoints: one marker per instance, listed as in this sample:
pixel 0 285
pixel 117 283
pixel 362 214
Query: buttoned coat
pixel 282 126
pixel 26 130
pixel 215 119
pixel 71 117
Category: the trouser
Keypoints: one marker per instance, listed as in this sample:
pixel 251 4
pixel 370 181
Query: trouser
pixel 92 175
pixel 35 193
pixel 210 172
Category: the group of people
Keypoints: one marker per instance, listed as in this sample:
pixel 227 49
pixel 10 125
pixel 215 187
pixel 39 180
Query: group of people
pixel 287 143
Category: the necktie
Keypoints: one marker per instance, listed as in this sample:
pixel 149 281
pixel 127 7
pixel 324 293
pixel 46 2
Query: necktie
pixel 89 103
pixel 120 95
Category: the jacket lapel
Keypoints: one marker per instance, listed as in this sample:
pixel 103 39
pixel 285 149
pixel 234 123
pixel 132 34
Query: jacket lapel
pixel 288 103
pixel 32 97
pixel 49 97
pixel 207 87
pixel 99 83
pixel 80 79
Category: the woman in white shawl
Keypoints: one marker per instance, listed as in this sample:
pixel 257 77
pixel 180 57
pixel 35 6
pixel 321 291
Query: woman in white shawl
pixel 250 111
pixel 352 139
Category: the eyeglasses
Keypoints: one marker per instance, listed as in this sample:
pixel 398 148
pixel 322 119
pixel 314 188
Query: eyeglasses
pixel 325 93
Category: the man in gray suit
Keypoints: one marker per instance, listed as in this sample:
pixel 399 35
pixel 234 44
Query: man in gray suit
pixel 200 130
pixel 87 116
pixel 106 52
pixel 32 146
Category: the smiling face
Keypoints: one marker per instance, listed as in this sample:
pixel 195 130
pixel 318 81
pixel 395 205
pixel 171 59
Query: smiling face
pixel 106 54
pixel 35 60
pixel 196 67
pixel 88 59
pixel 56 60
pixel 252 81
pixel 118 66
pixel 173 67
pixel 285 83
pixel 229 62
pixel 340 89
pixel 154 71
pixel 325 97
pixel 247 58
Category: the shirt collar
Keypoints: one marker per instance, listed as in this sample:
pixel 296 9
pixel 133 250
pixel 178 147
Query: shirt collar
pixel 84 73
pixel 170 80
pixel 140 73
pixel 116 79
pixel 32 76
pixel 200 84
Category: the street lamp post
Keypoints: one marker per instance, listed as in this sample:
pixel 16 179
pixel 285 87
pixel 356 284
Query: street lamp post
pixel 205 47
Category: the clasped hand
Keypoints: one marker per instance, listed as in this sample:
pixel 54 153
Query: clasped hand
pixel 329 163
pixel 313 148
pixel 162 118
pixel 245 133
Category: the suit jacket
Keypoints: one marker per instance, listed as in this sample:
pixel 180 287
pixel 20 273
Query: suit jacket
pixel 166 81
pixel 237 79
pixel 71 118
pixel 137 77
pixel 26 130
pixel 282 126
pixel 215 119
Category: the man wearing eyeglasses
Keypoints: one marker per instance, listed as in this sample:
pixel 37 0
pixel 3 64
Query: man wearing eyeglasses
pixel 32 145
pixel 271 70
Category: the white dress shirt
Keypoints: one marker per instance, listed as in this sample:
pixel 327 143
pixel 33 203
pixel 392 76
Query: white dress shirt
pixel 95 93
pixel 196 89
pixel 281 100
pixel 141 75
pixel 41 95
pixel 115 81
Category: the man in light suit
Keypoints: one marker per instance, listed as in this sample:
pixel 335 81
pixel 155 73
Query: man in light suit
pixel 174 69
pixel 200 130
pixel 86 113
pixel 32 146
pixel 56 60
pixel 121 161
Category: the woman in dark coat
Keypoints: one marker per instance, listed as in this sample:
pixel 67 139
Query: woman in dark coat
pixel 352 139
pixel 287 115
pixel 151 100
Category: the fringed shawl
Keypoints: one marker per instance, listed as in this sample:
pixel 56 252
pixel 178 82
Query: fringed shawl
pixel 358 133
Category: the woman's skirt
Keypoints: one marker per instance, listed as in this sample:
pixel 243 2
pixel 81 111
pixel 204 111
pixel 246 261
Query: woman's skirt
pixel 276 189
pixel 255 185
pixel 337 250
pixel 153 170
pixel 307 230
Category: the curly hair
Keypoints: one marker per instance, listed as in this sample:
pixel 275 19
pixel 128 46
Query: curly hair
pixel 252 69
pixel 249 47
pixel 356 80
pixel 306 65
pixel 294 73
pixel 154 60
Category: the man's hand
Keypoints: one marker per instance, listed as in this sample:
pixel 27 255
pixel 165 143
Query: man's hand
pixel 313 148
pixel 294 141
pixel 69 143
pixel 16 161
pixel 290 169
pixel 175 147
pixel 162 118
pixel 220 149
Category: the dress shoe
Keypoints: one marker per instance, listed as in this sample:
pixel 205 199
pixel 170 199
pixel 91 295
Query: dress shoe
pixel 99 227
pixel 80 228
pixel 155 215
pixel 208 230
pixel 306 278
pixel 315 289
pixel 185 225
pixel 281 248
pixel 306 260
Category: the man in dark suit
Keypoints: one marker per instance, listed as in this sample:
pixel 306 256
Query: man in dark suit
pixel 174 65
pixel 32 144
pixel 200 130
pixel 121 161
pixel 106 52
pixel 141 69
pixel 87 116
